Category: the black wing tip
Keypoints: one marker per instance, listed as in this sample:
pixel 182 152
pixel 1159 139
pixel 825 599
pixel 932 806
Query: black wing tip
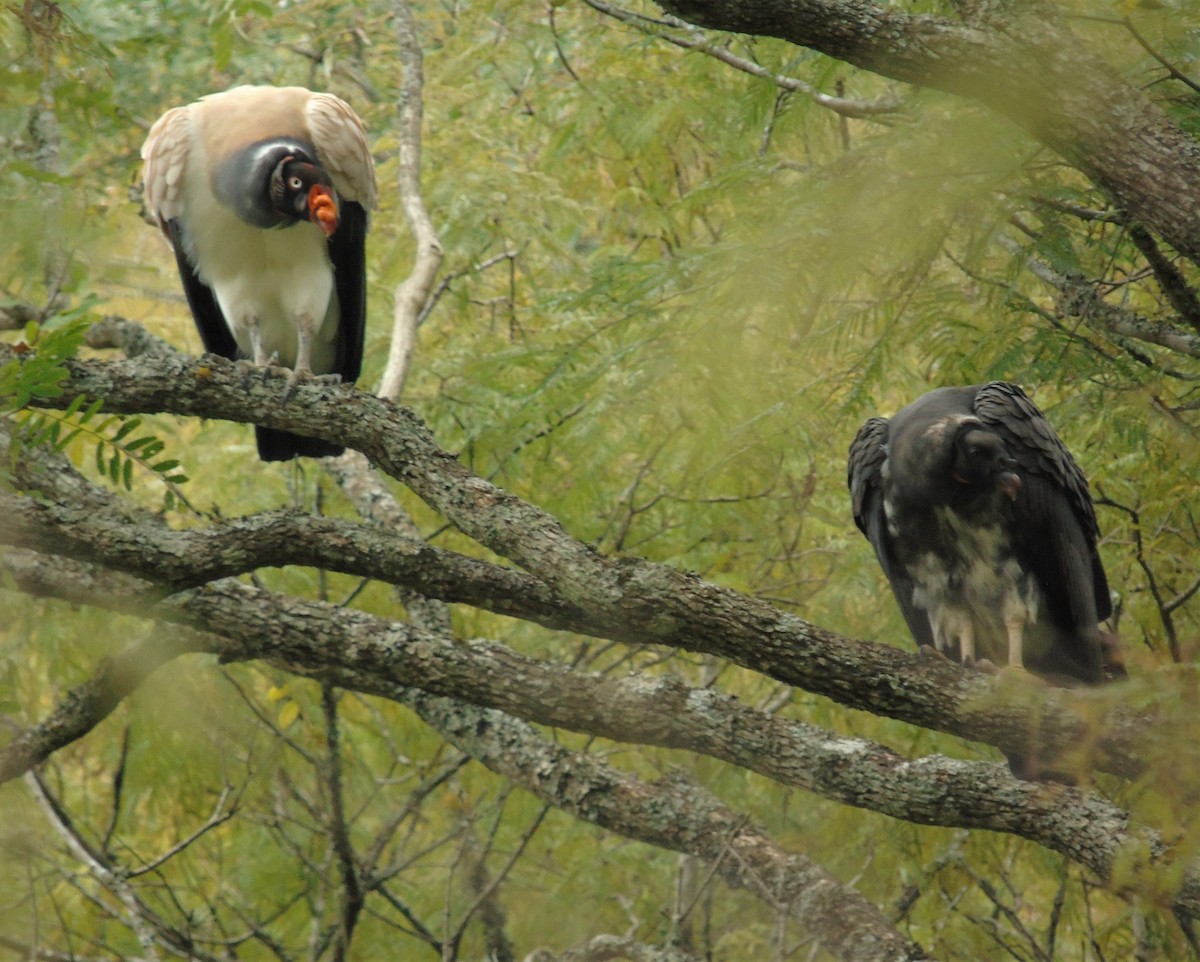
pixel 347 253
pixel 276 445
pixel 864 465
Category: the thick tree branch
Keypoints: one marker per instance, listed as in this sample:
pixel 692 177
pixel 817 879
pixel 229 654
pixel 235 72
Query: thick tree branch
pixel 1031 68
pixel 623 598
pixel 676 815
pixel 368 654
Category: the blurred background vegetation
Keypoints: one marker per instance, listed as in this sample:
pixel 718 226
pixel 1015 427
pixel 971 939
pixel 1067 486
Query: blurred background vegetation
pixel 672 291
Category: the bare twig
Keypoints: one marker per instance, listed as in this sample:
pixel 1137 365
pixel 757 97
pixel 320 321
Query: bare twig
pixel 150 929
pixel 694 40
pixel 487 887
pixel 1078 297
pixel 220 815
pixel 351 892
pixel 1174 285
pixel 1145 45
pixel 1156 591
pixel 411 293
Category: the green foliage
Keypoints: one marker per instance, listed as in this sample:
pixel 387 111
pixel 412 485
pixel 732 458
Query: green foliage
pixel 38 371
pixel 39 368
pixel 116 457
pixel 672 293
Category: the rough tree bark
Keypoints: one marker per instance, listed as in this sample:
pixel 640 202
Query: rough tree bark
pixel 144 566
pixel 623 598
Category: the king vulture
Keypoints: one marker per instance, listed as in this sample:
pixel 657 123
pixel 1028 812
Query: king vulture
pixel 263 193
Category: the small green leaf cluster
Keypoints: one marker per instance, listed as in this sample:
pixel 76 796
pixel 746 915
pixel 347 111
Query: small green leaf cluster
pixel 117 455
pixel 40 367
pixel 38 372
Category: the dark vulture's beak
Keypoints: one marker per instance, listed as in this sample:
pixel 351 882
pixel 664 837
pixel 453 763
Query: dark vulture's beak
pixel 322 209
pixel 1010 483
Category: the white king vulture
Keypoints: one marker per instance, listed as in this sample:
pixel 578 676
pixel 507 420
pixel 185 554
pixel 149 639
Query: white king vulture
pixel 985 529
pixel 263 193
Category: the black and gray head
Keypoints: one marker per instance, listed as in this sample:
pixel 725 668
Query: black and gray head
pixel 981 463
pixel 271 183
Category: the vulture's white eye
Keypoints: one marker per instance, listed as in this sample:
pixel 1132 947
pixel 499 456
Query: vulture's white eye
pixel 295 183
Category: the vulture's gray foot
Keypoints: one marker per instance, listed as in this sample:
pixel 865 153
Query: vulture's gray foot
pixel 299 375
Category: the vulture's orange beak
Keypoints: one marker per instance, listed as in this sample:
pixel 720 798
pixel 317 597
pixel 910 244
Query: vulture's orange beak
pixel 322 209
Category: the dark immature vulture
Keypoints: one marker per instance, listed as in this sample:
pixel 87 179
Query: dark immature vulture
pixel 984 526
pixel 263 193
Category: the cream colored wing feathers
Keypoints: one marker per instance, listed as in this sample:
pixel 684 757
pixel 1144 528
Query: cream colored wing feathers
pixel 342 147
pixel 164 163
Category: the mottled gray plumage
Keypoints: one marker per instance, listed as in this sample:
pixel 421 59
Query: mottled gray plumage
pixel 983 524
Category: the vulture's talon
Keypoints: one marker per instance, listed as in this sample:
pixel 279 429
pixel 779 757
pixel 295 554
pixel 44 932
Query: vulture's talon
pixel 248 370
pixel 272 368
pixel 294 378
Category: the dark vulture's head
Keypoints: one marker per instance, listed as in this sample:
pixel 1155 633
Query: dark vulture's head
pixel 954 460
pixel 981 462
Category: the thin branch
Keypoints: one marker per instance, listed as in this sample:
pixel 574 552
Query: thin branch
pixel 1083 213
pixel 1145 45
pixel 1156 592
pixel 845 107
pixel 147 926
pixel 25 950
pixel 448 280
pixel 489 889
pixel 118 783
pixel 1170 279
pixel 352 895
pixel 220 815
pixel 418 927
pixel 558 48
pixel 410 294
pixel 1078 297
